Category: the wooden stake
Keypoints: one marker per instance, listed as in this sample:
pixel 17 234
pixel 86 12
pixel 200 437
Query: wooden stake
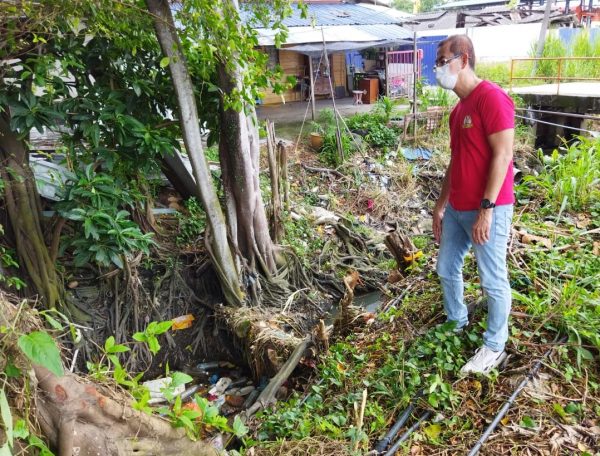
pixel 276 219
pixel 312 87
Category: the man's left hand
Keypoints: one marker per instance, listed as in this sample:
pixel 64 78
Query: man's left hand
pixel 481 227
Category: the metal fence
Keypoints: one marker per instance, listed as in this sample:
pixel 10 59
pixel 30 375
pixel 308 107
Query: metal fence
pixel 559 73
pixel 401 72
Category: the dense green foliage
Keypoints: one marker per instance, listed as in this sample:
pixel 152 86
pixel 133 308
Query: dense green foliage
pixel 191 223
pixel 93 70
pixel 379 133
pixel 105 233
pixel 572 179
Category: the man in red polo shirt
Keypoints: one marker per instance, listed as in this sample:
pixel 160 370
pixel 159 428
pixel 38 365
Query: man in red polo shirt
pixel 476 202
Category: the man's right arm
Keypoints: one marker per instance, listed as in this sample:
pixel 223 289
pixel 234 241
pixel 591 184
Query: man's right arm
pixel 440 205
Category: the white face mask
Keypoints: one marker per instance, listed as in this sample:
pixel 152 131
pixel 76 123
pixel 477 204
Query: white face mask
pixel 444 78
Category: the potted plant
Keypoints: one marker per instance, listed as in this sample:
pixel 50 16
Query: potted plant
pixel 324 125
pixel 316 136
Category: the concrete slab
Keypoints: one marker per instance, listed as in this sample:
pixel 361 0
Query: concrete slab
pixel 568 89
pixel 582 97
pixel 294 111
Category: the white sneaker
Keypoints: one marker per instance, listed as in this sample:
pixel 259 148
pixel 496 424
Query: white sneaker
pixel 484 360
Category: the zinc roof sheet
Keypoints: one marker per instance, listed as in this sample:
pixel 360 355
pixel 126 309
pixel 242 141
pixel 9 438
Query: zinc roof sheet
pixel 334 14
pixel 338 33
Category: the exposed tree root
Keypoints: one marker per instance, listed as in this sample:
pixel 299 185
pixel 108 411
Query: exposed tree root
pixel 77 418
pixel 262 337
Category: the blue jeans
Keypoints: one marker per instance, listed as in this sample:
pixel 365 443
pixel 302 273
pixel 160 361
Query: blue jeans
pixel 491 264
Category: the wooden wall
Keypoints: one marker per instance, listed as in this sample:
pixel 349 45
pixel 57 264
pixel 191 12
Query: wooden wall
pixel 292 64
pixel 296 64
pixel 338 64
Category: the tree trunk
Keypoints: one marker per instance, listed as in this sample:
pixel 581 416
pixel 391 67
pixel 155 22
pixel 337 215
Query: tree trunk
pixel 23 207
pixel 216 240
pixel 542 38
pixel 78 419
pixel 239 156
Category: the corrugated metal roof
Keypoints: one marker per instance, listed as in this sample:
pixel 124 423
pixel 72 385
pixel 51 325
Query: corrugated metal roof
pixel 332 34
pixel 469 3
pixel 334 14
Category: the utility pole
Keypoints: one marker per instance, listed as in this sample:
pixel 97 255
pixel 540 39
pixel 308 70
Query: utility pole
pixel 543 31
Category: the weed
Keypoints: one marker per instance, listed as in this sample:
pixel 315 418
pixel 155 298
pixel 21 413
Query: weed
pixel 192 224
pixel 383 109
pixel 581 46
pixel 212 153
pixel 374 125
pixel 302 237
pixel 572 176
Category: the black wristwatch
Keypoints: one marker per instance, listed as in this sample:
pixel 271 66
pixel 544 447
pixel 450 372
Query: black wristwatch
pixel 487 204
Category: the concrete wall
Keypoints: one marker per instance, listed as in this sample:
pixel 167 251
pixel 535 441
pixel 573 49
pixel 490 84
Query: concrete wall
pixel 498 43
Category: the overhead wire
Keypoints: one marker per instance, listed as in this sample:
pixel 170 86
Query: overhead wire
pixel 559 113
pixel 592 132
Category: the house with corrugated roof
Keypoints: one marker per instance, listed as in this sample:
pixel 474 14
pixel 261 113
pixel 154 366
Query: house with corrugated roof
pixel 324 46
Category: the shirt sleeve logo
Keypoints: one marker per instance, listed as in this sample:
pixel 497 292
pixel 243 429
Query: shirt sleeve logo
pixel 467 122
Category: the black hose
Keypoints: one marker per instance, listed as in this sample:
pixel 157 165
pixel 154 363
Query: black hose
pixel 407 434
pixel 536 367
pixel 384 443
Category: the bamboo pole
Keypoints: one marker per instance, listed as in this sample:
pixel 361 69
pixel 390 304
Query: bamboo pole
pixel 312 87
pixel 415 85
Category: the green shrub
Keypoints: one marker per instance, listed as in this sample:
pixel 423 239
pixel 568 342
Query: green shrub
pixel 378 135
pixel 553 47
pixel 582 46
pixel 104 231
pixel 329 153
pixel 382 136
pixel 383 109
pixel 572 176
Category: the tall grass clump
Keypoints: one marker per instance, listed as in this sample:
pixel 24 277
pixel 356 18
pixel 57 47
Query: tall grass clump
pixel 583 46
pixel 553 47
pixel 572 175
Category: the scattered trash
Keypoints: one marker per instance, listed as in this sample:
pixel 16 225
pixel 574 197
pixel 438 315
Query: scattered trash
pixel 323 216
pixel 416 153
pixel 517 175
pixel 222 383
pixel 411 257
pixel 157 386
pixel 220 387
pixel 208 366
pixel 251 399
pixel 235 401
pixel 218 402
pixel 527 238
pixel 182 322
pixel 189 392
